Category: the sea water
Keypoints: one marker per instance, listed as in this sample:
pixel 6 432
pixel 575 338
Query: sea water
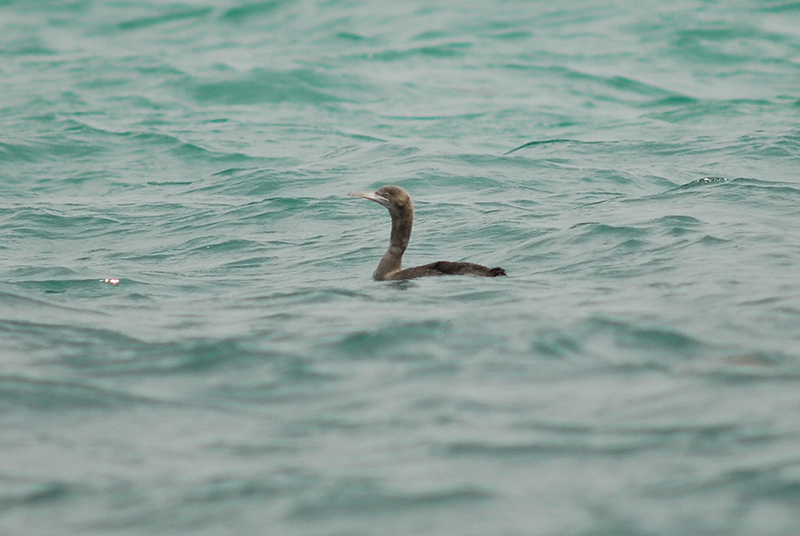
pixel 190 338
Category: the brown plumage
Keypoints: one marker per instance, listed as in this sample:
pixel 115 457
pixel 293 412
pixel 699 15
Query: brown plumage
pixel 401 209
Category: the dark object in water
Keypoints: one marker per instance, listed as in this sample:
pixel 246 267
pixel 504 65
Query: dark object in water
pixel 401 209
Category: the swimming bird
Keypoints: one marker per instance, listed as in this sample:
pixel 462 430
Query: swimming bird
pixel 401 209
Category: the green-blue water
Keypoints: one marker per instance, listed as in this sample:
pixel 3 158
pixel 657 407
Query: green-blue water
pixel 638 372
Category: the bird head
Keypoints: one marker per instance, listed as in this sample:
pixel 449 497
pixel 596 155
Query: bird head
pixel 395 198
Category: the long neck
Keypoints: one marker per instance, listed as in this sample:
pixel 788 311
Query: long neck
pixel 398 242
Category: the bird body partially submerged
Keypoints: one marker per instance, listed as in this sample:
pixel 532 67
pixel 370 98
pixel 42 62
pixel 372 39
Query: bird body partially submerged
pixel 401 209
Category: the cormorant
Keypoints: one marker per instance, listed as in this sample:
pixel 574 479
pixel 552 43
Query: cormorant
pixel 397 200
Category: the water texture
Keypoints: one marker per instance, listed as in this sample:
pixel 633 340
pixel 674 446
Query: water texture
pixel 190 338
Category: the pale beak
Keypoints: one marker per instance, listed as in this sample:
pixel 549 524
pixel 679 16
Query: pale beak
pixel 371 196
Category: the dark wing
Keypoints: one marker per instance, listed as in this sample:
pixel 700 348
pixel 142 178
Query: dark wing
pixel 448 268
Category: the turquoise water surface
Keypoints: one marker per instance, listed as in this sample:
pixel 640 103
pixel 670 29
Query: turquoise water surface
pixel 190 338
